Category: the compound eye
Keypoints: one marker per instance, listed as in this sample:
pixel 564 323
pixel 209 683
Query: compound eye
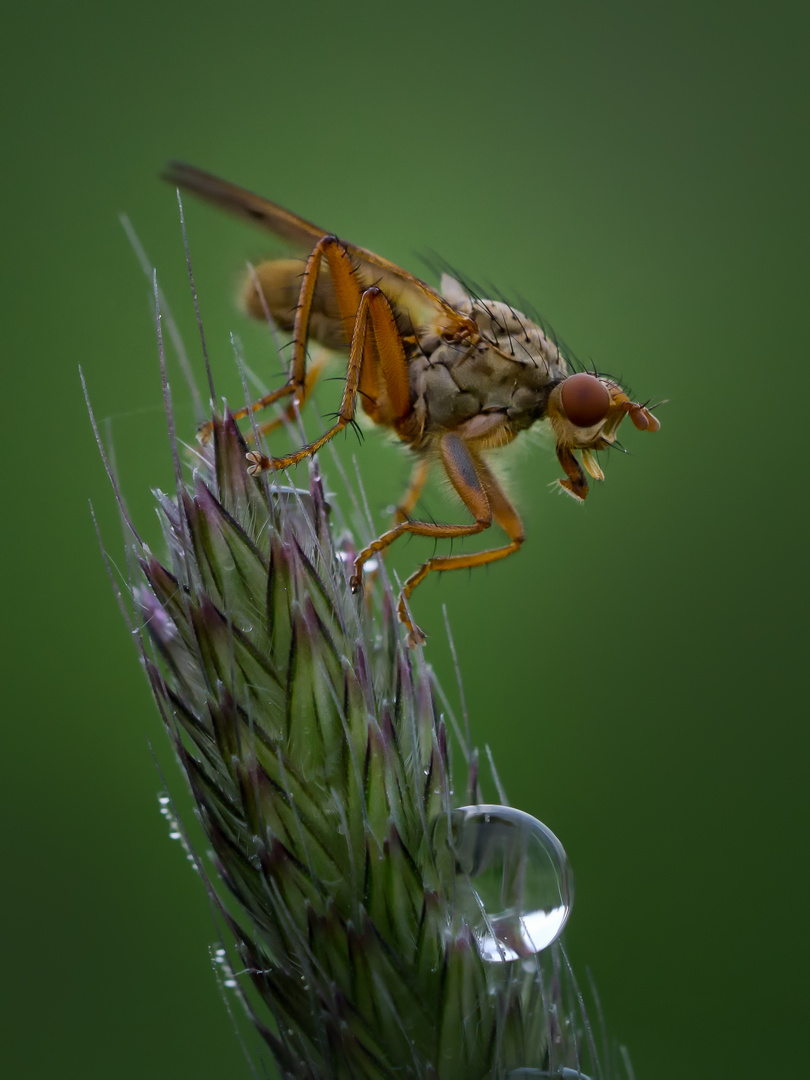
pixel 585 399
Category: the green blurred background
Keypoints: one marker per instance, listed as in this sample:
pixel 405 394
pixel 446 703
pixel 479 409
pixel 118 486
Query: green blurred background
pixel 640 172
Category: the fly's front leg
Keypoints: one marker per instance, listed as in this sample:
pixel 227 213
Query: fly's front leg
pixel 460 468
pixel 504 514
pixel 484 499
pixel 419 475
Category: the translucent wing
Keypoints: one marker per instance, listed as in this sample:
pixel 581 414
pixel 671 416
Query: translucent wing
pixel 427 310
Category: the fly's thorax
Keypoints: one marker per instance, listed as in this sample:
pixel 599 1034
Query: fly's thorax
pixel 517 338
pixel 456 383
pixel 508 372
pixel 508 331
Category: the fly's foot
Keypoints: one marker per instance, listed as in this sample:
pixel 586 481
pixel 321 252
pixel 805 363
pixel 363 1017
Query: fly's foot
pixel 257 463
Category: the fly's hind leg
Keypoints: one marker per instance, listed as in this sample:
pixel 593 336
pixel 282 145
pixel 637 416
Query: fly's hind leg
pixel 347 293
pixel 314 371
pixel 376 347
pixel 205 430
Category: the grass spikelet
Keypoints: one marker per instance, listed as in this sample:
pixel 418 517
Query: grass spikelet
pixel 315 747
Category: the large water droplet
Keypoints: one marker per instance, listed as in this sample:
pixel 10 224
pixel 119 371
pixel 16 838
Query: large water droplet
pixel 520 884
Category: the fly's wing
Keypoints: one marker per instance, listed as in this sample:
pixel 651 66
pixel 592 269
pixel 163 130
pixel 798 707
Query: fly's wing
pixel 426 310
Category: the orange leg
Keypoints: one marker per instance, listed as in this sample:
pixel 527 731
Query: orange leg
pixel 347 293
pixel 204 431
pixel 389 399
pixel 314 371
pixel 381 349
pixel 419 476
pixel 504 514
pixel 483 497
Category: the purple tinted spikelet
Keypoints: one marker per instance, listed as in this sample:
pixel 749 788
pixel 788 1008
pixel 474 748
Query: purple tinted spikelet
pixel 317 756
pixel 318 760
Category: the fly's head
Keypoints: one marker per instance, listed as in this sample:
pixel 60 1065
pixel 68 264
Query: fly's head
pixel 585 412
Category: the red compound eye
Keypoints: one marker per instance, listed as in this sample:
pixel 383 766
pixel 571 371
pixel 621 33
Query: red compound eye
pixel 586 401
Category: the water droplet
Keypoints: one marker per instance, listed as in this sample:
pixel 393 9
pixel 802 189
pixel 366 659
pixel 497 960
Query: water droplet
pixel 174 835
pixel 520 883
pixel 230 983
pixel 163 800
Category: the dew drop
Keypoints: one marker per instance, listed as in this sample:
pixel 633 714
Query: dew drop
pixel 520 883
pixel 174 835
pixel 230 983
